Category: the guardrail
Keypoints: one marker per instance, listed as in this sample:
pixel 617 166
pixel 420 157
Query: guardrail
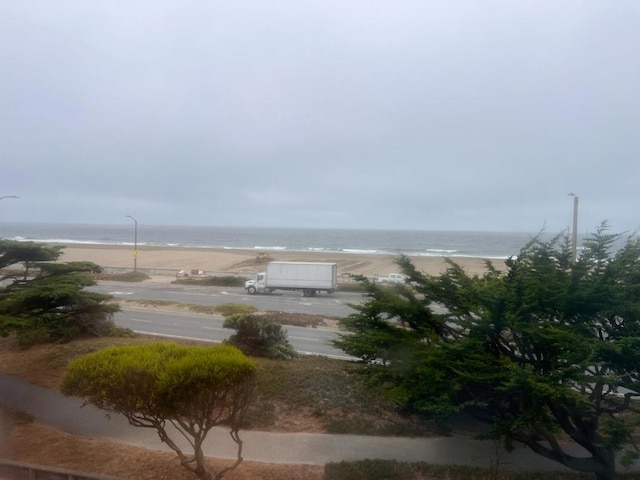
pixel 10 470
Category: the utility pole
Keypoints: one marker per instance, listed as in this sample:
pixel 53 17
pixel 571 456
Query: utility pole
pixel 574 231
pixel 135 244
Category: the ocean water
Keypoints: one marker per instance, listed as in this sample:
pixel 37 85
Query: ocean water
pixel 497 245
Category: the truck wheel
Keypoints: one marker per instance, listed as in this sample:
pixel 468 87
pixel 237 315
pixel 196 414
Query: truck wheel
pixel 251 290
pixel 309 292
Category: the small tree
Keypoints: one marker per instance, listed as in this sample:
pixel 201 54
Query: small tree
pixel 547 350
pixel 259 336
pixel 192 388
pixel 48 301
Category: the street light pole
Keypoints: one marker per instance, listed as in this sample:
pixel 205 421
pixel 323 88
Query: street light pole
pixel 8 196
pixel 574 231
pixel 135 244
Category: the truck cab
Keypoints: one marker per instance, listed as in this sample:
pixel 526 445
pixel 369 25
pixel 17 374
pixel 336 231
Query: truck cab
pixel 257 285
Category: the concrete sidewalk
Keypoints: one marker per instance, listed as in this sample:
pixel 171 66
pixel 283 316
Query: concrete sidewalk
pixel 52 408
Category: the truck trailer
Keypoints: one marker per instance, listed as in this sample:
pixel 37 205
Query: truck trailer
pixel 308 277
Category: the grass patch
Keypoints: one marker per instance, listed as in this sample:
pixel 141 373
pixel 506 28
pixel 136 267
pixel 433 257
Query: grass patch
pixel 154 303
pixel 295 319
pixel 224 309
pixel 228 309
pixel 332 392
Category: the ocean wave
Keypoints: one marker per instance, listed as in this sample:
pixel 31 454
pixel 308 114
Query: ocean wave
pixel 257 247
pixel 455 254
pixel 361 251
pixel 63 241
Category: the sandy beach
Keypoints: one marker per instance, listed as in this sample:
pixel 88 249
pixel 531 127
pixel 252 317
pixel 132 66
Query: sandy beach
pixel 168 260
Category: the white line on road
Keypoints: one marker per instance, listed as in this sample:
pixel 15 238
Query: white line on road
pixel 216 328
pixel 141 320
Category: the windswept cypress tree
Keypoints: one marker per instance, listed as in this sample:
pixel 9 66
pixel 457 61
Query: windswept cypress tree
pixel 547 353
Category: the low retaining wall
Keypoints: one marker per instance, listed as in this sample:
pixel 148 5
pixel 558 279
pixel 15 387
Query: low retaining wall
pixel 10 470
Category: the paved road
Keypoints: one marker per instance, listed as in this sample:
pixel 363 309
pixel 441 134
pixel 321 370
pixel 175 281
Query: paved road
pixel 336 305
pixel 52 408
pixel 313 341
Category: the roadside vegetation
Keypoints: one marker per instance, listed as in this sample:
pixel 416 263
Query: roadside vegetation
pixel 123 277
pixel 224 309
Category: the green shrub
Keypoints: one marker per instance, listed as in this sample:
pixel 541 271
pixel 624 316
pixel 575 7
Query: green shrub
pixel 260 337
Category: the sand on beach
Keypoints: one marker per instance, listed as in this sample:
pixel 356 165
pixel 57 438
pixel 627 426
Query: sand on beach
pixel 220 260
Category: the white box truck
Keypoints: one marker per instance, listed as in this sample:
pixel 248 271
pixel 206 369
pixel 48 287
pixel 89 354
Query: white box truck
pixel 309 277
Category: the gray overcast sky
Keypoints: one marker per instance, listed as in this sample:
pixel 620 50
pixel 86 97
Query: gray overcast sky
pixel 399 114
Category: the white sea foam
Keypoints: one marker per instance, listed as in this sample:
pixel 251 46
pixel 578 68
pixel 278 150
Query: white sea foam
pixel 361 251
pixel 257 247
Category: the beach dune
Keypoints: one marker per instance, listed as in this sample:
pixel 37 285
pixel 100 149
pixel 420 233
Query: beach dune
pixel 169 260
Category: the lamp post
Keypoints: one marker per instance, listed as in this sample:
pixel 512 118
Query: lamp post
pixel 574 231
pixel 135 244
pixel 8 196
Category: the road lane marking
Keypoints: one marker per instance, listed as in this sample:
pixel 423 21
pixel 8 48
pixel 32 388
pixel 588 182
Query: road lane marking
pixel 141 320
